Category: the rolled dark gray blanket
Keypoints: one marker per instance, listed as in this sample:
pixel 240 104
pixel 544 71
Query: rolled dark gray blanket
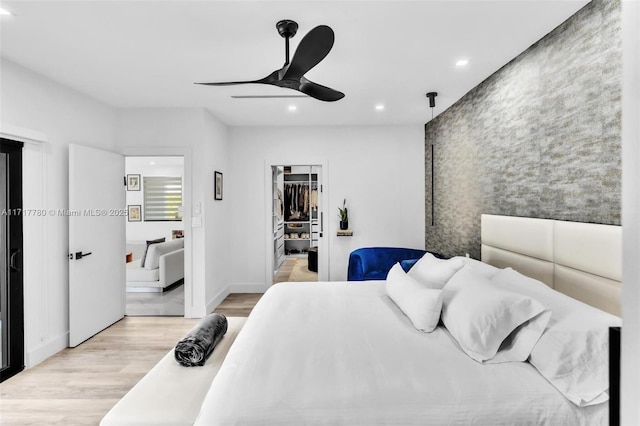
pixel 197 345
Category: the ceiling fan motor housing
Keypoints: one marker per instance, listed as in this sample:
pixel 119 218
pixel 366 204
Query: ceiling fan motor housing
pixel 287 28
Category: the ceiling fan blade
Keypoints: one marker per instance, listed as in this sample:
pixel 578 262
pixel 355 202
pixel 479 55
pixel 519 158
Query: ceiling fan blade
pixel 313 48
pixel 270 79
pixel 319 91
pixel 230 83
pixel 267 96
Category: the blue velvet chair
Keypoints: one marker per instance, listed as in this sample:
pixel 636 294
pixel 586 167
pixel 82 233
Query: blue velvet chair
pixel 373 263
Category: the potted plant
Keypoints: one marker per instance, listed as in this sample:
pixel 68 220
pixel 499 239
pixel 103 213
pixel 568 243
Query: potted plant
pixel 344 215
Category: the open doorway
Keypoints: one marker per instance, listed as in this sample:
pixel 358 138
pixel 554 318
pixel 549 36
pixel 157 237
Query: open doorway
pixel 297 217
pixel 155 236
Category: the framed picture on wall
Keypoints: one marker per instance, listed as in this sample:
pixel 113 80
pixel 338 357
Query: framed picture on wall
pixel 218 185
pixel 135 214
pixel 133 182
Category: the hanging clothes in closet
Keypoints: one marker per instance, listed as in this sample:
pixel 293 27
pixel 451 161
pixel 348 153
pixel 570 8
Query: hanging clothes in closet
pixel 297 201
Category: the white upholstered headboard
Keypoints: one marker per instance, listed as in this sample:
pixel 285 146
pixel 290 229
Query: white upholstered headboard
pixel 581 260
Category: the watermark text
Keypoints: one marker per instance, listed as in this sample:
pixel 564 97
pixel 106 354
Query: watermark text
pixel 64 212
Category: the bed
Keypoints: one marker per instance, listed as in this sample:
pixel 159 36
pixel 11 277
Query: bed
pixel 343 353
pixel 355 353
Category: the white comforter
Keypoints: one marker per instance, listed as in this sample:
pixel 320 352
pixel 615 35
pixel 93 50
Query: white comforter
pixel 344 354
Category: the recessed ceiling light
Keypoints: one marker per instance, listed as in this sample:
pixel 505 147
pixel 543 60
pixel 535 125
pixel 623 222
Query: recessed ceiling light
pixel 462 62
pixel 379 107
pixel 153 163
pixel 4 11
pixel 292 107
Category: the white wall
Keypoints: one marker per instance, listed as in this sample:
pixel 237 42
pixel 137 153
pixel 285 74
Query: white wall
pixel 380 170
pixel 60 116
pixel 630 380
pixel 203 140
pixel 139 232
pixel 216 212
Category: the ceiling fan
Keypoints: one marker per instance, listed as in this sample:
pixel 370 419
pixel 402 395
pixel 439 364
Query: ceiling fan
pixel 312 49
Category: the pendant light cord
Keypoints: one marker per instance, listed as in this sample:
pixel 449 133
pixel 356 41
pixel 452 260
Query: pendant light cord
pixel 432 104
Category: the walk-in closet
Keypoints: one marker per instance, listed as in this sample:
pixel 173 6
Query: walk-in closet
pixel 296 222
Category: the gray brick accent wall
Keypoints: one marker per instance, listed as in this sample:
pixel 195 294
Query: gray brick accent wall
pixel 541 137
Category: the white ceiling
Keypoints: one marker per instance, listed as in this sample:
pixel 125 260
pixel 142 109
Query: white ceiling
pixel 147 53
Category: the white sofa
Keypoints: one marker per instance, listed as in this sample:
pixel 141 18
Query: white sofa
pixel 164 266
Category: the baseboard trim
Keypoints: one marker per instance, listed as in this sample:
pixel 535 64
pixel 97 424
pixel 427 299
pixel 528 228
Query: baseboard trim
pixel 144 289
pixel 213 303
pixel 234 288
pixel 45 350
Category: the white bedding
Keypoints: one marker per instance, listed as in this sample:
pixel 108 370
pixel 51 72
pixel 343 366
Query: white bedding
pixel 344 354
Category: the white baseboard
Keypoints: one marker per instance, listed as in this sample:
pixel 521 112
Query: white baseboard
pixel 45 350
pixel 144 289
pixel 213 303
pixel 234 288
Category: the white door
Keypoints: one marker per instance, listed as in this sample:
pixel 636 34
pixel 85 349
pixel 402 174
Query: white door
pixel 97 218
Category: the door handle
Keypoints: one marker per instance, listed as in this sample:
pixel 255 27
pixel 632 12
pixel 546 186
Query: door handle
pixel 12 260
pixel 78 255
pixel 321 223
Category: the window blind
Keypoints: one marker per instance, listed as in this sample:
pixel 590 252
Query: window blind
pixel 162 198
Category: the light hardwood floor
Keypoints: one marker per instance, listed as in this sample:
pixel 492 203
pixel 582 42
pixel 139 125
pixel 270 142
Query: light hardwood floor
pixel 78 386
pixel 285 271
pixel 295 269
pixel 238 304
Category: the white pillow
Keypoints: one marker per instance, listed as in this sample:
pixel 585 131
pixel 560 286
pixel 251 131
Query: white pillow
pixel 434 272
pixel 422 305
pixel 478 266
pixel 490 324
pixel 573 352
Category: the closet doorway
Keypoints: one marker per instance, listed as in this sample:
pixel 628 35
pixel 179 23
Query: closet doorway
pixel 297 223
pixel 155 236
